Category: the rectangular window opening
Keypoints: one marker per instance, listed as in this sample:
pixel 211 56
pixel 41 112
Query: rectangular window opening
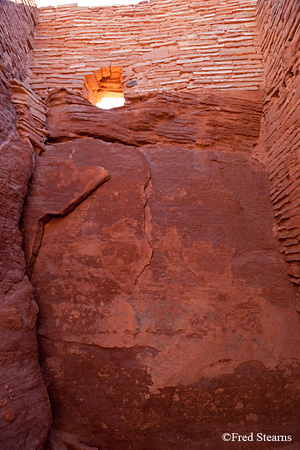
pixel 104 87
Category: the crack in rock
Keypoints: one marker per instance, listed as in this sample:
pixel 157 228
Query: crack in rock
pixel 147 217
pixel 35 222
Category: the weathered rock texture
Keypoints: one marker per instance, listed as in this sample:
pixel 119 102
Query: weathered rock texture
pixel 279 23
pixel 31 114
pixel 161 290
pixel 166 313
pixel 17 22
pixel 205 121
pixel 161 45
pixel 24 404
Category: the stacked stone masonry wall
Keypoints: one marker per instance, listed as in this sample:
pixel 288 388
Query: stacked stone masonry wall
pixel 17 22
pixel 279 24
pixel 162 45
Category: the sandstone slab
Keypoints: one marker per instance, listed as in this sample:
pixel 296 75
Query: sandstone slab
pixel 206 120
pixel 25 414
pixel 166 313
pixel 24 404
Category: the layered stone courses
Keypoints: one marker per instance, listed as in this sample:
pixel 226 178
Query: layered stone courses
pixel 31 114
pixel 163 45
pixel 17 22
pixel 279 24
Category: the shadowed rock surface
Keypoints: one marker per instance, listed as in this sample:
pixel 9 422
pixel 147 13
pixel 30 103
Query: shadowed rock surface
pixel 166 315
pixel 24 403
pixel 25 415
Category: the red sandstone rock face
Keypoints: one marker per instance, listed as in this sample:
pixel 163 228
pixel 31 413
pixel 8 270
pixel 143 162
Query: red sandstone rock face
pixel 59 186
pixel 24 404
pixel 227 122
pixel 166 316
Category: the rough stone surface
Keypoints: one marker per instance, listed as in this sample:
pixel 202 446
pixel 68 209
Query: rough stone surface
pixel 31 114
pixel 17 23
pixel 58 186
pixel 59 440
pixel 24 403
pixel 227 122
pixel 279 24
pixel 166 315
pixel 164 45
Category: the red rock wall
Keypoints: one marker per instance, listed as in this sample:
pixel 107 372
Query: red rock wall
pixel 130 215
pixel 17 22
pixel 149 234
pixel 162 45
pixel 16 41
pixel 279 24
pixel 24 405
